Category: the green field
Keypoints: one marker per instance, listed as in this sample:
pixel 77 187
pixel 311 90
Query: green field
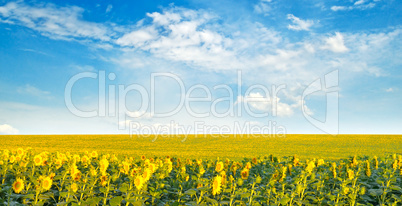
pixel 211 147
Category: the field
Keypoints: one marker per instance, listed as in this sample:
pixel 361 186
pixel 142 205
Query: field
pixel 263 170
pixel 211 147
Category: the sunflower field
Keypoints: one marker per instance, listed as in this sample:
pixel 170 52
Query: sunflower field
pixel 91 178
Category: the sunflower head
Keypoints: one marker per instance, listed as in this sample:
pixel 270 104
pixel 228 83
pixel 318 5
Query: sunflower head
pixel 74 187
pixel 143 158
pixel 255 161
pixel 94 154
pixel 147 174
pixel 139 182
pixel 46 183
pixel 219 166
pixel 12 159
pixel 18 185
pixel 216 185
pixel 351 174
pixel 20 151
pixel 244 173
pixel 320 162
pixel 38 160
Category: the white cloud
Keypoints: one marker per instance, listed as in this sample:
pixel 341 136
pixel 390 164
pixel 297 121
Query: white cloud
pixel 359 4
pixel 139 114
pixel 55 22
pixel 83 68
pixel 8 129
pixel 338 8
pixel 199 39
pixel 264 104
pixel 138 37
pixel 33 91
pixel 299 24
pixel 390 89
pixel 183 35
pixel 263 7
pixel 109 8
pixel 335 43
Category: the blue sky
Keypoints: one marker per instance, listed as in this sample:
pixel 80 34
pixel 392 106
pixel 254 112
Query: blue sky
pixel 205 46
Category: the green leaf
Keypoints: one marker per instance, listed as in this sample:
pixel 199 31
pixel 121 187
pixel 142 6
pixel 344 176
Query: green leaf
pixel 375 192
pixel 191 192
pixel 63 194
pixel 212 201
pixel 203 189
pixel 29 196
pixel 115 200
pixel 124 188
pixel 394 187
pixel 245 195
pixel 102 189
pixel 284 200
pixel 228 190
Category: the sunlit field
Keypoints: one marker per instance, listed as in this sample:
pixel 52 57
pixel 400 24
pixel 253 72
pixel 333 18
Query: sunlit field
pixel 212 147
pixel 37 177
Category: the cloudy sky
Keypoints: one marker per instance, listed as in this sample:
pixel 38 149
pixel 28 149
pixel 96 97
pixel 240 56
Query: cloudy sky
pixel 304 66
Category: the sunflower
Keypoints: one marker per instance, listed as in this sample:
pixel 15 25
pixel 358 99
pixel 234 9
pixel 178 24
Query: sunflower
pixel 143 158
pixel 94 154
pixel 223 175
pixel 295 161
pixel 103 180
pixel 133 172
pixel 18 185
pixel 85 159
pixel 58 163
pixel 103 165
pixel 20 151
pixel 351 174
pixel 233 168
pixel 202 170
pixel 320 162
pixel 74 187
pixel 147 174
pixel 152 167
pixel 146 162
pixel 248 165
pixel 199 162
pixel 216 185
pixel 244 174
pixel 93 172
pixel 126 167
pixel 12 159
pixel 310 166
pixel 47 183
pixel 76 158
pixel 139 182
pixel 219 166
pixel 38 160
pixel 6 155
pixel 75 172
pixel 254 160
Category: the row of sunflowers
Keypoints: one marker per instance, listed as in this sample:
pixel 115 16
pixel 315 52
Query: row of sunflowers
pixel 89 178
